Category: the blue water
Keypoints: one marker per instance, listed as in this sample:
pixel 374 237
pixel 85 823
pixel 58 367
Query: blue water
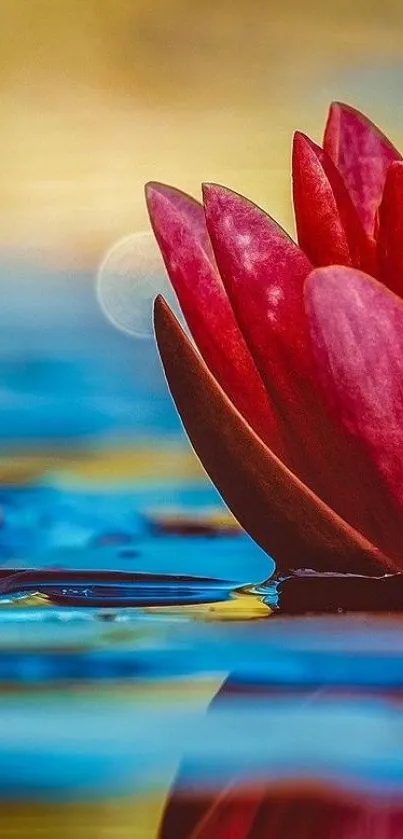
pixel 119 750
pixel 310 719
pixel 51 527
pixel 66 374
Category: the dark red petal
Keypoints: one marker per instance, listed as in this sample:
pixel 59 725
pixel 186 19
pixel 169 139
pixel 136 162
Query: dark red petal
pixel 329 229
pixel 179 225
pixel 357 330
pixel 362 154
pixel 390 232
pixel 264 273
pixel 279 512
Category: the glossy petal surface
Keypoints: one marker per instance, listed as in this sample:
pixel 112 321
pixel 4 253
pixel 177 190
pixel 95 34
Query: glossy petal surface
pixel 279 512
pixel 179 226
pixel 363 155
pixel 264 273
pixel 390 233
pixel 329 230
pixel 357 327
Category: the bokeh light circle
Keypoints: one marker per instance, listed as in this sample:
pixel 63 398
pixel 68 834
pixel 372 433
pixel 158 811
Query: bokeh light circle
pixel 129 278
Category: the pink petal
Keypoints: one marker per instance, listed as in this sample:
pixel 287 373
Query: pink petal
pixel 329 229
pixel 357 330
pixel 362 154
pixel 278 511
pixel 264 273
pixel 390 232
pixel 179 225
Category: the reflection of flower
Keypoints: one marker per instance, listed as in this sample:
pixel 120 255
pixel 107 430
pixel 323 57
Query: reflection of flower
pixel 280 813
pixel 295 405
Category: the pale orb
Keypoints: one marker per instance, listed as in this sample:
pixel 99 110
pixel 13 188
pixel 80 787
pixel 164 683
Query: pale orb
pixel 129 278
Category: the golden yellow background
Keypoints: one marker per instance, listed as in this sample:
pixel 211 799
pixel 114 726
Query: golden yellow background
pixel 98 96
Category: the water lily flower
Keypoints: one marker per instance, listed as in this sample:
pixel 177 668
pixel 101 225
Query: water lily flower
pixel 292 392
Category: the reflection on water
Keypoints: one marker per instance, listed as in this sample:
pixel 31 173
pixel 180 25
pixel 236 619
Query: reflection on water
pixel 276 717
pixel 139 655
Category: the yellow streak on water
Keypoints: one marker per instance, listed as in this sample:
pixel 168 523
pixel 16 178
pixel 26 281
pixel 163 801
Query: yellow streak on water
pixel 106 468
pixel 136 818
pixel 242 606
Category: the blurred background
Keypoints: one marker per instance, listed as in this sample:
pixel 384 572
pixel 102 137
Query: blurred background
pixel 99 96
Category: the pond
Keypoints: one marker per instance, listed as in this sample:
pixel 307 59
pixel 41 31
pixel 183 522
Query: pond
pixel 145 675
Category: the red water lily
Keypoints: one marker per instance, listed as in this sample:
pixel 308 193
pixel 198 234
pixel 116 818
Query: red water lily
pixel 293 399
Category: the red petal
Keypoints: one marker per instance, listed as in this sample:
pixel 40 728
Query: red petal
pixel 264 273
pixel 329 229
pixel 357 329
pixel 362 154
pixel 180 229
pixel 279 512
pixel 390 235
